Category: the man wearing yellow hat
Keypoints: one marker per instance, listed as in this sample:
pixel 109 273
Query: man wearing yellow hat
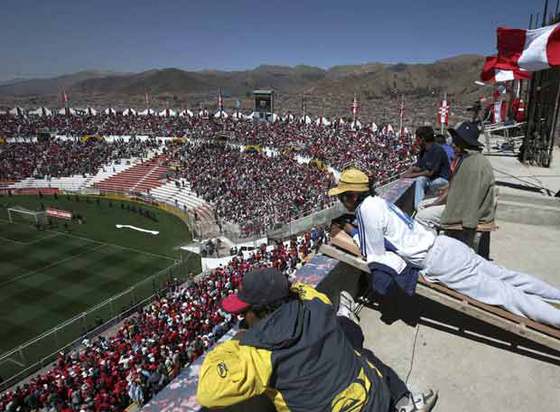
pixel 396 248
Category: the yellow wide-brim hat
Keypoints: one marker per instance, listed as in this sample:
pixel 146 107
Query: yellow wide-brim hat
pixel 351 180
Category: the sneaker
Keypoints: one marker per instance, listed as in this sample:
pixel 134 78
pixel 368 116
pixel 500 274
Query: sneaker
pixel 347 307
pixel 418 402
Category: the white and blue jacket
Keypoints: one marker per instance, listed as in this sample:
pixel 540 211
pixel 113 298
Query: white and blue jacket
pixel 394 245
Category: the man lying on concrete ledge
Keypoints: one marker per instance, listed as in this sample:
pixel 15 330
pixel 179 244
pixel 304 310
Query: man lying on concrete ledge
pixel 300 352
pixel 397 248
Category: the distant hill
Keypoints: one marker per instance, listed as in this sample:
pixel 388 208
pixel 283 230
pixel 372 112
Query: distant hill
pixel 378 86
pixel 456 75
pixel 175 81
pixel 47 86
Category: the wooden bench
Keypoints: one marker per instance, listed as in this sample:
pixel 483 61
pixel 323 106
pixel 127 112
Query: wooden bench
pixel 481 242
pixel 343 248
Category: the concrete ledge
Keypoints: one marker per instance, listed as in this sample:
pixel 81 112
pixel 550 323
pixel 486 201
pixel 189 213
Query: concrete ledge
pixel 529 210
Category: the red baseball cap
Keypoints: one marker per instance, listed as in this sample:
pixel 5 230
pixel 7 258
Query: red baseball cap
pixel 233 304
pixel 258 288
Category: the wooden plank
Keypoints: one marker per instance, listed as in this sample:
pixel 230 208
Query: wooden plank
pixel 521 326
pixel 344 242
pixel 482 227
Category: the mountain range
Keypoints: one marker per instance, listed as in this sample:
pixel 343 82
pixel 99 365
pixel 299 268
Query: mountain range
pixel 327 91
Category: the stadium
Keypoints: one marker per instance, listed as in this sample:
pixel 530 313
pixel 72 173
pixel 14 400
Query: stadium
pixel 86 270
pixel 260 246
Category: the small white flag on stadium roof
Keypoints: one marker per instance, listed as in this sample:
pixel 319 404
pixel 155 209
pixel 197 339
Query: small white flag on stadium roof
pixel 355 125
pixel 221 114
pixel 41 111
pixel 186 113
pixel 147 112
pixel 168 113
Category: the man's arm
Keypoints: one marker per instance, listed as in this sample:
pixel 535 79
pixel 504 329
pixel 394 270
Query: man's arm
pixel 232 373
pixel 372 238
pixel 411 174
pixel 441 199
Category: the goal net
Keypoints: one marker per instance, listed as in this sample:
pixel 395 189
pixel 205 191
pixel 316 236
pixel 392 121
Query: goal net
pixel 20 214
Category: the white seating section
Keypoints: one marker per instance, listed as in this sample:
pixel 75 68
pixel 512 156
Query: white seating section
pixel 169 193
pixel 77 182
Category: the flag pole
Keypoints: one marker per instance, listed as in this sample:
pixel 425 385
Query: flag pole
pixel 401 114
pixel 443 115
pixel 354 110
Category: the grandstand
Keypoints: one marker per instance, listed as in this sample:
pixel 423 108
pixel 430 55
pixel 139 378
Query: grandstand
pixel 254 181
pixel 96 263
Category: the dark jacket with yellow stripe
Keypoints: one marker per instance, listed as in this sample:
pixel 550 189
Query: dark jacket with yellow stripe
pixel 300 358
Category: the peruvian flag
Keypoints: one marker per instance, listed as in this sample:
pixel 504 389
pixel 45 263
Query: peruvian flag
pixel 443 113
pixel 220 101
pixel 518 108
pixel 355 106
pixel 492 74
pixel 532 50
pixel 499 111
pixel 65 97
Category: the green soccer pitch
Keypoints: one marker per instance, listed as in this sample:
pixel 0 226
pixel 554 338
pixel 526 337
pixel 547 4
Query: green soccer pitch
pixel 50 275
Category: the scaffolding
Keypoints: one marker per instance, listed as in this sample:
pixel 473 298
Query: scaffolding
pixel 542 112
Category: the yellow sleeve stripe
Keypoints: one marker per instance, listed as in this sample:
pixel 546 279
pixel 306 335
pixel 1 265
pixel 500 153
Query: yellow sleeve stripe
pixel 307 292
pixel 232 373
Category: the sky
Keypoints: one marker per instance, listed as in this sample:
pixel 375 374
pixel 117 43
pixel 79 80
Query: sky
pixel 42 38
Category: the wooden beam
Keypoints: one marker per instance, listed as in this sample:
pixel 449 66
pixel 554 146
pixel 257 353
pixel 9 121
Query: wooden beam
pixel 526 328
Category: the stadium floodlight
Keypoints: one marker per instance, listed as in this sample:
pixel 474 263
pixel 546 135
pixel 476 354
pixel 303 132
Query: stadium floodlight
pixel 18 214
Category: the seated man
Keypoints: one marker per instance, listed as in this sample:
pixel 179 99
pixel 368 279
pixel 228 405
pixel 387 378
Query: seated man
pixel 432 169
pixel 299 353
pixel 470 197
pixel 395 245
pixel 442 141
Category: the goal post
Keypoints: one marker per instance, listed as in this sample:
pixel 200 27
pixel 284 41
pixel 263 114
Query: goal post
pixel 19 214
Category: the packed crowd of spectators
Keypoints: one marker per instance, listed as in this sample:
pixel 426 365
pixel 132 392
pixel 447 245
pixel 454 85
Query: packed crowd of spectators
pixel 384 153
pixel 58 158
pixel 100 124
pixel 150 348
pixel 251 188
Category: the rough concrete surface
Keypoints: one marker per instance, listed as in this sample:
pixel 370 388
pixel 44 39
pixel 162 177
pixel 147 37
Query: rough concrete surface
pixel 478 369
pixel 509 170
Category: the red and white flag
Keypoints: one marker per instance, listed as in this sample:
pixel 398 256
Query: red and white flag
pixel 355 106
pixel 492 74
pixel 532 50
pixel 518 109
pixel 498 111
pixel 220 101
pixel 401 117
pixel 65 97
pixel 443 113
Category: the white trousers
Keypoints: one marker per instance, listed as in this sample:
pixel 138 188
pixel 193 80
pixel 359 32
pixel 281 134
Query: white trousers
pixel 429 216
pixel 457 266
